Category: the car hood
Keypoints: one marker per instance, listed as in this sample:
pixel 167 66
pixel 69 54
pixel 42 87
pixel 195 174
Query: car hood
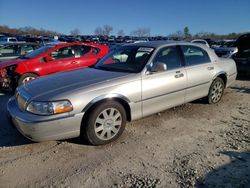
pixel 69 81
pixel 7 63
pixel 243 42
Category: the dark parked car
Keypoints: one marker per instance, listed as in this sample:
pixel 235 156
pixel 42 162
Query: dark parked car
pixel 227 49
pixel 14 50
pixel 242 57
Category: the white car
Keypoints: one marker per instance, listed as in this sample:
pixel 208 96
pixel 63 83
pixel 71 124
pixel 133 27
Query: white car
pixel 200 41
pixel 7 39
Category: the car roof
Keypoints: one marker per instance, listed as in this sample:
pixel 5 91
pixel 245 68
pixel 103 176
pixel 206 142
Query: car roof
pixel 157 44
pixel 64 44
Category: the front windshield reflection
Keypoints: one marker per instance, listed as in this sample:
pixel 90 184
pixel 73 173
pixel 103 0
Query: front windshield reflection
pixel 126 59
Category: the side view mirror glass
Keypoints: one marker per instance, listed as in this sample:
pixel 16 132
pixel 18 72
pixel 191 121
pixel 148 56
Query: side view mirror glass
pixel 158 67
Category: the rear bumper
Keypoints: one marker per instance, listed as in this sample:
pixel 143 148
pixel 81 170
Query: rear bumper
pixel 36 128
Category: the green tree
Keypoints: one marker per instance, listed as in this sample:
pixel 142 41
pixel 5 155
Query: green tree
pixel 186 32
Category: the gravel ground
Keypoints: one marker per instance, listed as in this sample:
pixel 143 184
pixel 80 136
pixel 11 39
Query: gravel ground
pixel 193 145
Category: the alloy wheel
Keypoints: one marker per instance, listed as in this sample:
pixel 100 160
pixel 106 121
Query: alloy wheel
pixel 108 124
pixel 217 92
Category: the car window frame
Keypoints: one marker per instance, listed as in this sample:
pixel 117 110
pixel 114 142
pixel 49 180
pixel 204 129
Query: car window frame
pixel 194 46
pixel 178 51
pixel 77 48
pixel 61 59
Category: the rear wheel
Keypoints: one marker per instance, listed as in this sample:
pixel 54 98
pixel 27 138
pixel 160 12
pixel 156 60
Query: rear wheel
pixel 216 91
pixel 105 123
pixel 26 78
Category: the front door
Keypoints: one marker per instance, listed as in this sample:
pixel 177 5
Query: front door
pixel 64 59
pixel 162 90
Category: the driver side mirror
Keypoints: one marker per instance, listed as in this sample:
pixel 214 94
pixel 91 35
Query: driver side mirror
pixel 158 67
pixel 48 58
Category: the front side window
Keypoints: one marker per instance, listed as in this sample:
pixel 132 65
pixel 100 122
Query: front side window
pixel 62 53
pixel 170 57
pixel 126 59
pixel 194 55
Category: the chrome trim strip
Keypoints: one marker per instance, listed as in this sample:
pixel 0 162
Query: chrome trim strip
pixel 173 92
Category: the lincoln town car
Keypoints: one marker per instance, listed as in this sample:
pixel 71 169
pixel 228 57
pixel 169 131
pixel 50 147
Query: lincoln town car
pixel 129 83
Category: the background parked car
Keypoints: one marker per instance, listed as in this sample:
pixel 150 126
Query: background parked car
pixel 242 57
pixel 4 39
pixel 49 59
pixel 227 49
pixel 129 83
pixel 16 49
pixel 200 41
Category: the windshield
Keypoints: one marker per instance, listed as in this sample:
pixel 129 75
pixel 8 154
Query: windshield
pixel 37 52
pixel 126 59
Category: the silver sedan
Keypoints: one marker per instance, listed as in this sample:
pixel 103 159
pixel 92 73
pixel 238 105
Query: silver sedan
pixel 129 83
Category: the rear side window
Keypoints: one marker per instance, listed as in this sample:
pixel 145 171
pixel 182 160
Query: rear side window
pixel 170 57
pixel 194 55
pixel 87 51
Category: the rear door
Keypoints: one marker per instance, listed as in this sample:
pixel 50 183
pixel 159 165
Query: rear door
pixel 162 90
pixel 200 72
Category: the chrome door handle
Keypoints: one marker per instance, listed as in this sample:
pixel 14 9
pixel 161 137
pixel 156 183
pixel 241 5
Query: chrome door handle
pixel 210 68
pixel 74 62
pixel 179 75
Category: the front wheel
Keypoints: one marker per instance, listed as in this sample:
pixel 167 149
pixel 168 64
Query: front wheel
pixel 216 91
pixel 105 123
pixel 26 78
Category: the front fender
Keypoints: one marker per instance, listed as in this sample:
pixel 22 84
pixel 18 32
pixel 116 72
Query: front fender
pixel 103 97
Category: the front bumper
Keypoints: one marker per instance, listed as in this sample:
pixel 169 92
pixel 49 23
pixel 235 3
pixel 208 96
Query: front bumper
pixel 44 128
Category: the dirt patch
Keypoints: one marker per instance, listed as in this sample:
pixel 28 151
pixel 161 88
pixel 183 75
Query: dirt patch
pixel 193 145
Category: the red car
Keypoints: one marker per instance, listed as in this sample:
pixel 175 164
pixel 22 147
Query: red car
pixel 47 60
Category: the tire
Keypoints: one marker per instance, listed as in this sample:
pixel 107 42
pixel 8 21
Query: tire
pixel 105 123
pixel 216 91
pixel 26 77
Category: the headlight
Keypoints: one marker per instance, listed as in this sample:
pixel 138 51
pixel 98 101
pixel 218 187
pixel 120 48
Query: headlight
pixel 49 108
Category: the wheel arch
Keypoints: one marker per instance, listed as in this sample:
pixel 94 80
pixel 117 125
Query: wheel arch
pixel 223 76
pixel 124 101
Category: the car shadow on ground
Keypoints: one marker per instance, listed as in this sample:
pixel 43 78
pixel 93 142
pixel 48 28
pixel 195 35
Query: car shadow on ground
pixel 241 89
pixel 234 174
pixel 9 135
